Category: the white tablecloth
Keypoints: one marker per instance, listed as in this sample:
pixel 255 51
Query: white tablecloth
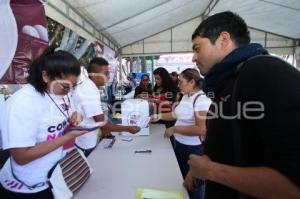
pixel 118 171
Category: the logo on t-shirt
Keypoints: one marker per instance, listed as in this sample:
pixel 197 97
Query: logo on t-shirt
pixel 65 107
pixel 58 127
pixel 52 130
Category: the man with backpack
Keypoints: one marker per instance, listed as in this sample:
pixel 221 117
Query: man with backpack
pixel 252 147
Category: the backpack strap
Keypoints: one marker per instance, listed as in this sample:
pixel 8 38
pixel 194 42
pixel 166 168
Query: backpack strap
pixel 30 187
pixel 197 96
pixel 236 130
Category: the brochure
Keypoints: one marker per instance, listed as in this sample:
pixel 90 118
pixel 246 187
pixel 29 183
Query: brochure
pixel 144 193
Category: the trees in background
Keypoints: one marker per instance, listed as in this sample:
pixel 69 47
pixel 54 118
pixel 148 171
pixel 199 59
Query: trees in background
pixel 68 40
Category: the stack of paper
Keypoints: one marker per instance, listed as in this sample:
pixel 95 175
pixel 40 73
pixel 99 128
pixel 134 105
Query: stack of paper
pixel 142 193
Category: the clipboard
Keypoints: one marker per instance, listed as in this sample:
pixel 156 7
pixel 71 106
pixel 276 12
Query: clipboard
pixel 84 128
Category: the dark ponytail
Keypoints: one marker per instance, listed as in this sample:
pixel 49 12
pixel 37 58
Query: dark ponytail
pixel 56 64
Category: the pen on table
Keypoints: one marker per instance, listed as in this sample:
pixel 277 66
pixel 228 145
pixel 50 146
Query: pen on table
pixel 143 151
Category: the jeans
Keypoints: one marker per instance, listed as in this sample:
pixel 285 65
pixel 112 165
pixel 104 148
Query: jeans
pixel 182 153
pixel 86 152
pixel 6 194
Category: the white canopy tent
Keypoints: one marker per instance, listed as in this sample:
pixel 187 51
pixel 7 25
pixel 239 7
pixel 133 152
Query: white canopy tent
pixel 138 27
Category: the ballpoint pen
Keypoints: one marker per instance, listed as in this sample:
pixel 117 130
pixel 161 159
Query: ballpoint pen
pixel 143 151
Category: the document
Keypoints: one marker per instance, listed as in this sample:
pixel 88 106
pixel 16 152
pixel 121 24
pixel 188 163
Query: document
pixel 106 143
pixel 143 121
pixel 143 193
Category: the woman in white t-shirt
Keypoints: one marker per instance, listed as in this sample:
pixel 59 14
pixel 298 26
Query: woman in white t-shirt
pixel 32 125
pixel 190 115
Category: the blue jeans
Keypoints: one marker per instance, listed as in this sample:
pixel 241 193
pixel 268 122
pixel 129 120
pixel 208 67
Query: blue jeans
pixel 44 194
pixel 182 153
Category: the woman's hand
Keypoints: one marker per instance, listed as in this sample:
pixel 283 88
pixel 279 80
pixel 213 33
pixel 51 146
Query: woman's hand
pixel 75 118
pixel 169 132
pixel 155 117
pixel 155 100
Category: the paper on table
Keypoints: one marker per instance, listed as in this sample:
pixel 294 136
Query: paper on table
pixel 106 143
pixel 142 193
pixel 143 121
pixel 126 138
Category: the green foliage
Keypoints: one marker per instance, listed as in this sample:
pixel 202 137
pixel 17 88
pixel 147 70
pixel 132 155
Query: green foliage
pixel 52 31
pixel 89 54
pixel 53 27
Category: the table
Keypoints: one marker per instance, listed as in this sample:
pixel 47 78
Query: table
pixel 118 171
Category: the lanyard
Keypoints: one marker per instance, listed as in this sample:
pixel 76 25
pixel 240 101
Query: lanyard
pixel 65 104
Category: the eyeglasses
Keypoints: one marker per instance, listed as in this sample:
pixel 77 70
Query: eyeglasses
pixel 66 85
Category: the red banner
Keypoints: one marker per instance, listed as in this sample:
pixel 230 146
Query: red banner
pixel 32 39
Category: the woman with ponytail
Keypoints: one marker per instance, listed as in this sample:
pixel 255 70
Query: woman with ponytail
pixel 33 125
pixel 190 115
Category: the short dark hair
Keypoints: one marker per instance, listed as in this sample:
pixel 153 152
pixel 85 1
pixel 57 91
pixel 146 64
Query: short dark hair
pixel 224 21
pixel 56 64
pixel 96 62
pixel 193 74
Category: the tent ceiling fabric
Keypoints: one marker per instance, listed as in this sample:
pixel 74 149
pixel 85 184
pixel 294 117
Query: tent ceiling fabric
pixel 174 40
pixel 180 41
pixel 277 16
pixel 130 21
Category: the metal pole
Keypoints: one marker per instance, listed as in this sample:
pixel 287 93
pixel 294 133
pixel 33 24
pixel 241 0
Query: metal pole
pixel 152 69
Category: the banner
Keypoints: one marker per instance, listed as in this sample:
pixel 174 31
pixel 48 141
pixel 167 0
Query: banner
pixel 23 37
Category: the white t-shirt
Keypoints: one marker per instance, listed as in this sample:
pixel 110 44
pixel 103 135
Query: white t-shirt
pixel 87 101
pixel 29 118
pixel 185 115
